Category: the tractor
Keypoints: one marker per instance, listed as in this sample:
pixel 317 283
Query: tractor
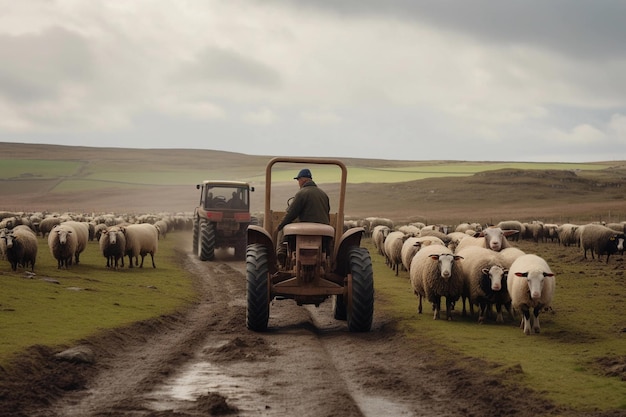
pixel 323 261
pixel 222 218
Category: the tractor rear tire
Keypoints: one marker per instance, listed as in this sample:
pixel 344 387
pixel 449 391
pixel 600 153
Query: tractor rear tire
pixel 361 307
pixel 206 247
pixel 257 287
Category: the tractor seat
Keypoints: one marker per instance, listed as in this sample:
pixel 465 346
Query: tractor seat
pixel 310 229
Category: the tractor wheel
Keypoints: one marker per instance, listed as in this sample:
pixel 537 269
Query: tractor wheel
pixel 196 228
pixel 361 297
pixel 257 276
pixel 339 308
pixel 206 241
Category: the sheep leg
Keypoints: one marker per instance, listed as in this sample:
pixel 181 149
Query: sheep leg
pixel 482 308
pixel 437 308
pixel 419 307
pixel 526 322
pixel 536 327
pixel 499 318
pixel 449 308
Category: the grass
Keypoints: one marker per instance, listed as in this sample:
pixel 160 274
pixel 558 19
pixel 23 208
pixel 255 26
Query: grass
pixel 58 307
pixel 37 168
pixel 586 325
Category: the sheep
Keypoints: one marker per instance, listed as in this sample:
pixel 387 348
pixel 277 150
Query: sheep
pixel 82 237
pixel 98 229
pixel 496 238
pixel 412 245
pixel 162 228
pixel 392 249
pixel 47 224
pixel 141 239
pixel 484 282
pixel 113 246
pixel 379 234
pixel 531 284
pixel 550 231
pixel 62 241
pixel 509 255
pixel 434 275
pixel 20 248
pixel 601 240
pixel 512 225
pixel 567 234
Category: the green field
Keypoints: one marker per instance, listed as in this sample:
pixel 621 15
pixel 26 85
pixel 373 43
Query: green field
pixel 58 307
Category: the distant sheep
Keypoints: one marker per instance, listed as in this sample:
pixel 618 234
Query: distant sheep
pixel 484 282
pixel 531 284
pixel 512 225
pixel 141 240
pixel 113 246
pixel 567 234
pixel 601 240
pixel 62 241
pixel 434 275
pixel 82 237
pixel 20 247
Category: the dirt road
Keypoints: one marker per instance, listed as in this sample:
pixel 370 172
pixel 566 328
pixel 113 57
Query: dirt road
pixel 205 362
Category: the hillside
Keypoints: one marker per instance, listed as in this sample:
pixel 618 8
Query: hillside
pixel 157 180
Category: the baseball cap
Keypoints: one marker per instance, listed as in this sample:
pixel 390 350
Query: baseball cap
pixel 303 173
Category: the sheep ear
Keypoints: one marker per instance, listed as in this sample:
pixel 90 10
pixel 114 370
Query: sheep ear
pixel 510 232
pixel 485 271
pixel 521 274
pixel 434 257
pixel 458 257
pixel 548 274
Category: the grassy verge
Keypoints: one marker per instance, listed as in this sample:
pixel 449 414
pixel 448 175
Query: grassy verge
pixel 57 307
pixel 569 362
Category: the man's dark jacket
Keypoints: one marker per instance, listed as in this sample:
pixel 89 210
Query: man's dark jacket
pixel 310 204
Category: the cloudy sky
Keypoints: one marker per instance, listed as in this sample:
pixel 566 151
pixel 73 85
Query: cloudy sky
pixel 522 80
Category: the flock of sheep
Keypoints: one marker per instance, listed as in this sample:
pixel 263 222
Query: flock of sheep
pixel 67 236
pixel 479 264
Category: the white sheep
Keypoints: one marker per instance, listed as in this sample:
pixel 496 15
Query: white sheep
pixel 82 237
pixel 484 282
pixel 567 234
pixel 434 275
pixel 20 247
pixel 379 234
pixel 62 242
pixel 162 227
pixel 531 284
pixel 392 248
pixel 112 244
pixel 509 255
pixel 141 239
pixel 412 245
pixel 512 225
pixel 601 240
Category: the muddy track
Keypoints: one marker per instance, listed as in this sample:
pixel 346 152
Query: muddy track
pixel 205 362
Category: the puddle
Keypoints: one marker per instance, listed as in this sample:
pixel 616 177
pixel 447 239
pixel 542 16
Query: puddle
pixel 372 406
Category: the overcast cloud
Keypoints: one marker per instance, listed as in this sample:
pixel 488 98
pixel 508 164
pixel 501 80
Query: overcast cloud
pixel 477 80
